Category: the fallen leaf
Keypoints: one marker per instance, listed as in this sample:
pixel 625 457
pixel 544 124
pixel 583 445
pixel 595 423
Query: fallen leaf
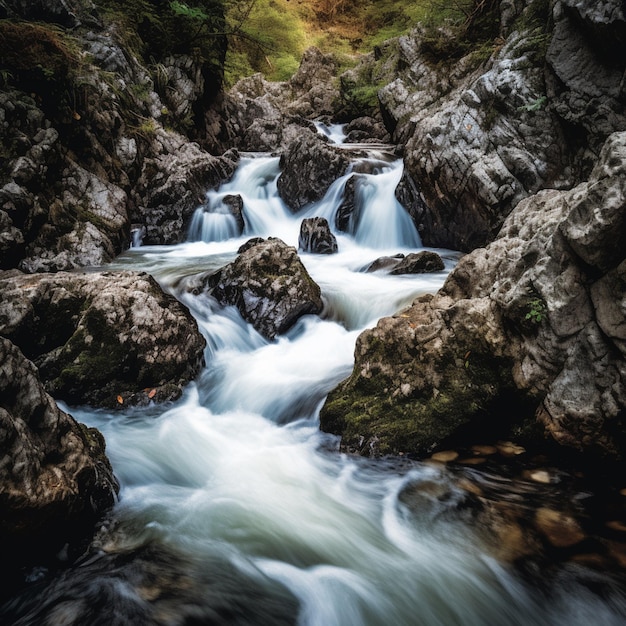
pixel 152 393
pixel 120 400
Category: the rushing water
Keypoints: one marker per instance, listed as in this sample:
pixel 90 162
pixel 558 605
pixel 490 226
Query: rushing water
pixel 236 509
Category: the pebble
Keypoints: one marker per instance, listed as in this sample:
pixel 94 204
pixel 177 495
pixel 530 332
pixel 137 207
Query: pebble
pixel 484 450
pixel 616 525
pixel 538 476
pixel 445 456
pixel 560 529
pixel 508 448
pixel 473 460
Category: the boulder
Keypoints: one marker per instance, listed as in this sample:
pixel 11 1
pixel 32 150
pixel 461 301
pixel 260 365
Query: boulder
pixel 525 338
pixel 55 480
pixel 309 167
pixel 316 236
pixel 174 184
pixel 269 286
pixel 419 263
pixel 102 338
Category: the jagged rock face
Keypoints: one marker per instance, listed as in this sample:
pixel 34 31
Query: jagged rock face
pixel 55 480
pixel 174 184
pixel 534 321
pixel 101 335
pixel 266 116
pixel 479 140
pixel 309 167
pixel 269 286
pixel 316 236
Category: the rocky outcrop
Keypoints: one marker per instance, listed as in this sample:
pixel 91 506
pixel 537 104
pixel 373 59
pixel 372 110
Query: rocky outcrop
pixel 55 480
pixel 101 338
pixel 532 322
pixel 316 236
pixel 309 168
pixel 266 116
pixel 480 138
pixel 269 286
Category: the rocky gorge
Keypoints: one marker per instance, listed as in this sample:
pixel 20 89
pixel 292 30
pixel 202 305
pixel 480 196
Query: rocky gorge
pixel 516 158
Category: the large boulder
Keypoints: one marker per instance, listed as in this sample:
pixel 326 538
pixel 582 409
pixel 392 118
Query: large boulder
pixel 309 167
pixel 531 324
pixel 269 286
pixel 102 338
pixel 173 185
pixel 55 480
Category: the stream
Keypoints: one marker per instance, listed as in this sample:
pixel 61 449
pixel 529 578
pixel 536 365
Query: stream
pixel 234 507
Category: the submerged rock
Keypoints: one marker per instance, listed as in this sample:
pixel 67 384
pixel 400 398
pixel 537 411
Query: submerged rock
pixel 102 338
pixel 419 263
pixel 55 480
pixel 316 236
pixel 269 286
pixel 532 322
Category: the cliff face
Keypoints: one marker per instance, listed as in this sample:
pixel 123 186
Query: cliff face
pixel 527 151
pixel 89 127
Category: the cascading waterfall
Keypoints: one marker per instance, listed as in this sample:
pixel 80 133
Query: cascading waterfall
pixel 235 502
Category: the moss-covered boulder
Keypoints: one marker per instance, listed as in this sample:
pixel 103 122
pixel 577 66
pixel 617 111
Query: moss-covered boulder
pixel 102 338
pixel 525 338
pixel 269 286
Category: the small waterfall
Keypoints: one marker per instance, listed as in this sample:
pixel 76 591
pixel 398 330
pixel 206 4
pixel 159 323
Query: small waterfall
pixel 213 222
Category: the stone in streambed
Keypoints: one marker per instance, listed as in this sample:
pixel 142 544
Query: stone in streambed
pixel 99 337
pixel 561 530
pixel 269 286
pixel 316 236
pixel 418 263
pixel 55 480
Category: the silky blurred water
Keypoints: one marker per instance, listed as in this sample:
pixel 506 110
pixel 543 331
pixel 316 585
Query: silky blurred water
pixel 236 507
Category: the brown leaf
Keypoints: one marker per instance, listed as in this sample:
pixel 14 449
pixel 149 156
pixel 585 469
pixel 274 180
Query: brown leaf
pixel 120 400
pixel 152 393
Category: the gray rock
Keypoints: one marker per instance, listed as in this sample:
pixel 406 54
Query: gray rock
pixel 55 480
pixel 174 184
pixel 309 167
pixel 100 335
pixel 528 324
pixel 269 286
pixel 419 263
pixel 316 236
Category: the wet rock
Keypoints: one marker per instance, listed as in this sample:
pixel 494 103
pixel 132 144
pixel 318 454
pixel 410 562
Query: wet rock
pixel 419 263
pixel 100 335
pixel 316 236
pixel 309 167
pixel 347 216
pixel 366 130
pixel 384 263
pixel 516 330
pixel 234 203
pixel 174 184
pixel 55 480
pixel 269 286
pixel 561 530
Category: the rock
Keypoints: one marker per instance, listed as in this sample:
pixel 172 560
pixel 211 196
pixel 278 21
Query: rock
pixel 366 130
pixel 269 286
pixel 173 185
pixel 384 263
pixel 419 263
pixel 309 167
pixel 348 214
pixel 558 75
pixel 55 480
pixel 100 335
pixel 516 329
pixel 561 530
pixel 316 237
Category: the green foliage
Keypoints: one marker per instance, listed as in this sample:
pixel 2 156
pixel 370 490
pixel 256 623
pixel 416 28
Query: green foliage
pixel 537 311
pixel 264 36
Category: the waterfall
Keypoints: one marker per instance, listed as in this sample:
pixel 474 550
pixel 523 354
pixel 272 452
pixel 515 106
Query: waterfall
pixel 235 508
